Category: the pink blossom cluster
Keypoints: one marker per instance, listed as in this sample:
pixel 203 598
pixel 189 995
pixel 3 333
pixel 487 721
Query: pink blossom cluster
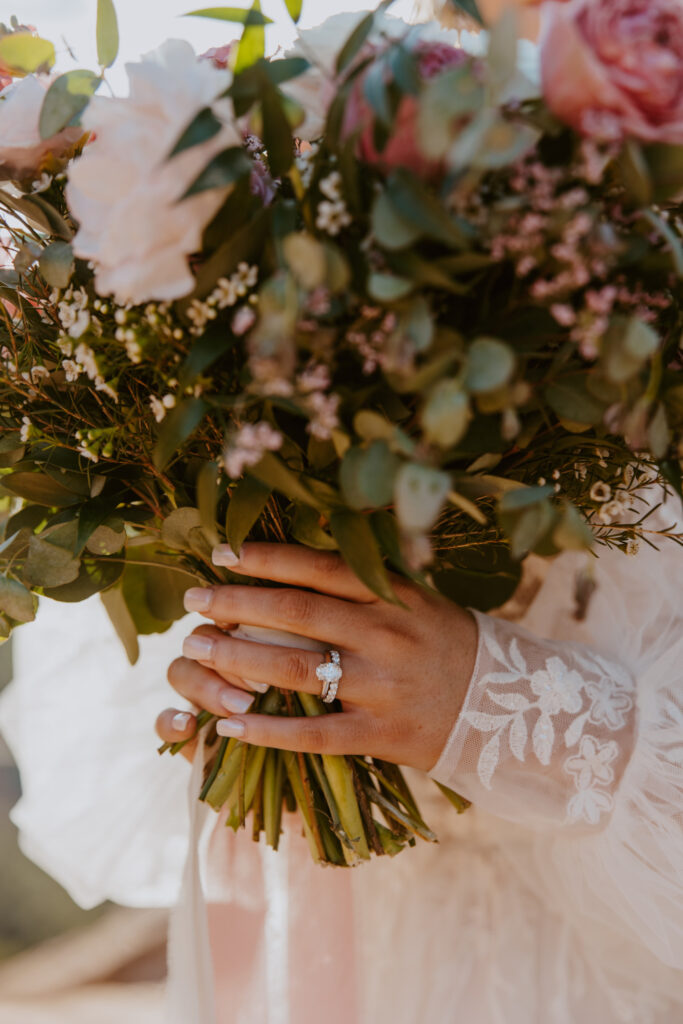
pixel 371 337
pixel 248 446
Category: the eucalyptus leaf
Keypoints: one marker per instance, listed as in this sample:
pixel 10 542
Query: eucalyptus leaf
pixel 367 475
pixel 307 530
pixel 294 9
pixel 247 502
pixel 177 527
pixel 570 399
pixel 239 15
pixel 40 488
pixel 96 575
pixel 446 414
pixel 273 472
pixel 48 565
pixel 490 365
pixel 203 127
pixel 57 264
pixel 420 492
pixel 178 426
pixel 65 101
pixel 389 227
pixel 122 621
pixel 226 168
pixel 572 532
pixel 358 545
pixel 388 287
pixel 107 33
pixel 252 45
pixel 16 601
pixel 106 541
pixel 207 500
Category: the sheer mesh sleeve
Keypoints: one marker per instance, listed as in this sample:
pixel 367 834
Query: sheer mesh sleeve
pixel 546 730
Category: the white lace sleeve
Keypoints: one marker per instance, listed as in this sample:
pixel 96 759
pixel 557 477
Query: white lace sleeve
pixel 575 732
pixel 545 732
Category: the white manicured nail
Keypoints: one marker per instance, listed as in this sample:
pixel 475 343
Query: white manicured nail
pixel 230 727
pixel 181 721
pixel 236 702
pixel 224 555
pixel 198 647
pixel 259 687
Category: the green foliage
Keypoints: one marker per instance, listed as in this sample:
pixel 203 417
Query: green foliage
pixel 66 99
pixel 107 33
pixel 25 54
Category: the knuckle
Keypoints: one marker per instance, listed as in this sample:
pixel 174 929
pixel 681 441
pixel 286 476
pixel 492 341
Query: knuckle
pixel 296 605
pixel 297 672
pixel 314 738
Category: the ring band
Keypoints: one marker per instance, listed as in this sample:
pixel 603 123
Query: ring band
pixel 329 672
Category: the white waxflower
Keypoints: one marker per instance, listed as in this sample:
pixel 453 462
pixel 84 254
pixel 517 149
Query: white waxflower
pixel 600 491
pixel 125 192
pixel 72 370
pixel 86 357
pixel 25 431
pixel 158 408
pixel 332 216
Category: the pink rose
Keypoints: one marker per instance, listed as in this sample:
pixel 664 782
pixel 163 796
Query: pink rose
pixel 614 68
pixel 403 147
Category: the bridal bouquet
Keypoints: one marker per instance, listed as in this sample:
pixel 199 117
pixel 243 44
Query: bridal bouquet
pixel 397 293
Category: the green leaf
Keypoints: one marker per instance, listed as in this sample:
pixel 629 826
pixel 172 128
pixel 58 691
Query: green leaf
pixel 39 488
pixel 95 576
pixel 207 500
pixel 446 414
pixel 178 527
pixel 358 545
pixel 573 533
pixel 665 165
pixel 57 264
pixel 16 601
pixel 250 17
pixel 520 498
pixel 275 474
pixel 421 208
pixel 286 68
pixel 247 502
pixel 277 132
pixel 122 621
pixel 23 53
pixel 66 99
pixel 307 530
pixel 388 287
pixel 142 587
pixel 389 227
pixel 105 540
pixel 92 514
pixel 213 344
pixel 490 365
pixel 200 129
pixel 479 577
pixel 178 426
pixel 107 33
pixel 225 169
pixel 367 475
pixel 252 45
pixel 294 9
pixel 420 493
pixel 571 401
pixel 356 40
pixel 531 528
pixel 48 565
pixel 470 8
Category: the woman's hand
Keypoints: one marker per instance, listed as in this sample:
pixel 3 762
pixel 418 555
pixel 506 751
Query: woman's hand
pixel 406 668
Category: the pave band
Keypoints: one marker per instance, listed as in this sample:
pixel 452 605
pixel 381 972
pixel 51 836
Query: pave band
pixel 329 672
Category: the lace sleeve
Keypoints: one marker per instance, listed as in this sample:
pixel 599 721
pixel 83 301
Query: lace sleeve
pixel 545 732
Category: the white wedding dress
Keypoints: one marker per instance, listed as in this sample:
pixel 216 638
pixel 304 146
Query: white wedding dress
pixel 557 899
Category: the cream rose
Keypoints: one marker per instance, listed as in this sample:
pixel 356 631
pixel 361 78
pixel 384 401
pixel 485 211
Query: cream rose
pixel 22 151
pixel 125 192
pixel 614 69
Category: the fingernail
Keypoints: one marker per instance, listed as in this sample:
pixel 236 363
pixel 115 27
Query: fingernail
pixel 230 727
pixel 224 555
pixel 181 721
pixel 199 648
pixel 197 599
pixel 259 687
pixel 236 702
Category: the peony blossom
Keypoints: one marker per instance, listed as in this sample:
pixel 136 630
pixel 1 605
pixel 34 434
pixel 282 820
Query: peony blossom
pixel 614 69
pixel 22 151
pixel 125 192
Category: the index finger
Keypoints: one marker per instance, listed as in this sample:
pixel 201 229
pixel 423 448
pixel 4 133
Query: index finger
pixel 297 565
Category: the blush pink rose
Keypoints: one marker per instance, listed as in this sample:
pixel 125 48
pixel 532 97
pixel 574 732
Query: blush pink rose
pixel 614 68
pixel 403 147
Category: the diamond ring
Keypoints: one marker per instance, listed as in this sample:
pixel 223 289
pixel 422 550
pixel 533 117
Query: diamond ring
pixel 329 672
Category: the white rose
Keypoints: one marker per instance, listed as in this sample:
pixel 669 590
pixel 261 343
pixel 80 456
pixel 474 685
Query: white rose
pixel 21 148
pixel 124 191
